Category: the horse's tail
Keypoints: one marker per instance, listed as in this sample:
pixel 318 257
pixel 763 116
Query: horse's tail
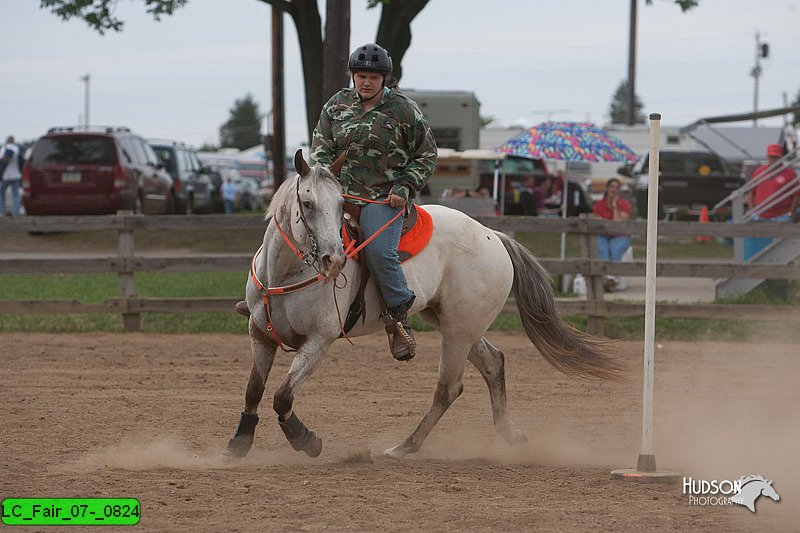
pixel 570 351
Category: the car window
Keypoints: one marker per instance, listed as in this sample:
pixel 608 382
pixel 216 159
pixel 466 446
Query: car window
pixel 135 149
pixel 149 154
pixel 194 161
pixel 166 156
pixel 129 151
pixel 516 165
pixel 185 163
pixel 686 163
pixel 78 150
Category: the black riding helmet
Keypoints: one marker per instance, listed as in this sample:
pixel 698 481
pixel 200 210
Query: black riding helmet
pixel 370 57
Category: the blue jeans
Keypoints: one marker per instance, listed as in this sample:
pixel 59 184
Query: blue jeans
pixel 612 248
pixel 228 206
pixel 14 184
pixel 381 254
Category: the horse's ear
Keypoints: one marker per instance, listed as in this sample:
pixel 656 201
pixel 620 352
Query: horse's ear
pixel 300 164
pixel 337 164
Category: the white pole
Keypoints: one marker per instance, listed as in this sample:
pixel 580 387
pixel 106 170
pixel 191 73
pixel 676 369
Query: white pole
pixel 650 287
pixel 565 277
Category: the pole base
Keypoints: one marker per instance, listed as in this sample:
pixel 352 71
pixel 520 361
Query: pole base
pixel 646 472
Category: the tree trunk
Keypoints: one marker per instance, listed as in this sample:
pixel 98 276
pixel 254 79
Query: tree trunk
pixel 394 31
pixel 309 33
pixel 337 47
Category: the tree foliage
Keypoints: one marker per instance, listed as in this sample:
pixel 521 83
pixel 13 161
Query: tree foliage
pixel 685 5
pixel 619 106
pixel 99 14
pixel 394 34
pixel 243 128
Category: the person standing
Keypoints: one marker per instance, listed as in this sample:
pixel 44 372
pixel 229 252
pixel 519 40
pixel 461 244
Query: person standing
pixel 779 184
pixel 229 190
pixel 391 154
pixel 11 177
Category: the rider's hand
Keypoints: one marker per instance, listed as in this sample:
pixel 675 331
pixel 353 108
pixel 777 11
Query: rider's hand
pixel 396 201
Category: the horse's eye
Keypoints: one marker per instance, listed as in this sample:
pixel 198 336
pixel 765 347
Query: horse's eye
pixel 307 204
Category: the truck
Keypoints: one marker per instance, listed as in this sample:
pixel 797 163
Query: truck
pixel 454 117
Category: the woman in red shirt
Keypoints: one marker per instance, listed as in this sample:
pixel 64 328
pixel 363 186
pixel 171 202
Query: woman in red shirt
pixel 612 207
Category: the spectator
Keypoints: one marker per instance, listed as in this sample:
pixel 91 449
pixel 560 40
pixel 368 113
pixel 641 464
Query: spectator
pixel 229 190
pixel 782 181
pixel 612 207
pixel 11 176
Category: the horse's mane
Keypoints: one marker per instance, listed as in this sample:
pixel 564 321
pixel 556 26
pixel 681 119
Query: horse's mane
pixel 747 479
pixel 282 195
pixel 286 191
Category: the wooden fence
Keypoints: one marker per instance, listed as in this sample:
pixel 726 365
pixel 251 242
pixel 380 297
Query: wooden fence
pixel 126 262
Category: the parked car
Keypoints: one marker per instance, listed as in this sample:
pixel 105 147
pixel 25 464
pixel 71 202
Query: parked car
pixel 258 170
pixel 517 171
pixel 193 185
pixel 250 195
pixel 95 171
pixel 218 167
pixel 688 180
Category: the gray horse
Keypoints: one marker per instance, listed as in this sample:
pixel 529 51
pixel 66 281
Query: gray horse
pixel 462 280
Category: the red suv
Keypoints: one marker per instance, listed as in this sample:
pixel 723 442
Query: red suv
pixel 95 171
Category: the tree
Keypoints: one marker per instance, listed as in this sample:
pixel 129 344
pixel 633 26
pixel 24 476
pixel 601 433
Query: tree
pixel 243 128
pixel 394 34
pixel 619 105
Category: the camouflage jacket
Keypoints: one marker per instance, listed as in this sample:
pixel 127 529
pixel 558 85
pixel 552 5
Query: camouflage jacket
pixel 390 149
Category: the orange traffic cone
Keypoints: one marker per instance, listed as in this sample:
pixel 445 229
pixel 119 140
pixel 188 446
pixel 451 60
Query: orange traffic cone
pixel 703 220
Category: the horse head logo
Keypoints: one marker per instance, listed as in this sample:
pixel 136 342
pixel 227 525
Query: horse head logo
pixel 751 488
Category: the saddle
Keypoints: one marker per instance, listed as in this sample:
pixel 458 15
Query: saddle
pixel 415 235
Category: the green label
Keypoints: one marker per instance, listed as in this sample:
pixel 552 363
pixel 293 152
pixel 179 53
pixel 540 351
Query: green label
pixel 70 511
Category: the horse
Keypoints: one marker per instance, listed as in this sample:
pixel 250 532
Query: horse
pixel 751 488
pixel 461 279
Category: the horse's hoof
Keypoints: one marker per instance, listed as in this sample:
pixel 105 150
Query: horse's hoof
pixel 314 447
pixel 398 452
pixel 240 445
pixel 518 438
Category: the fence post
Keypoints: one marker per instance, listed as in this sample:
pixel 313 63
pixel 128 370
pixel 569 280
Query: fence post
pixel 595 292
pixel 125 283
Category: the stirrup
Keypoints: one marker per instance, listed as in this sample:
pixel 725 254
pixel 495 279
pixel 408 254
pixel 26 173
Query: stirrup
pixel 402 343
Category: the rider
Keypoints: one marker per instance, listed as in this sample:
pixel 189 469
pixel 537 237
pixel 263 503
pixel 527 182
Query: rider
pixel 391 153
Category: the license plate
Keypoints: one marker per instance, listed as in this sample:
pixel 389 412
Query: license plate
pixel 70 177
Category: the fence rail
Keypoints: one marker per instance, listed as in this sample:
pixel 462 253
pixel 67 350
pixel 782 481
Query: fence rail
pixel 126 262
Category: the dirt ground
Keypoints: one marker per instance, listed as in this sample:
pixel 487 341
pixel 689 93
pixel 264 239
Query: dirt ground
pixel 146 416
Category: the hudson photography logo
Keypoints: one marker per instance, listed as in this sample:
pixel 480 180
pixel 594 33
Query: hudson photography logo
pixel 743 491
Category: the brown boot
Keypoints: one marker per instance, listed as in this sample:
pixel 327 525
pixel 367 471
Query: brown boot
pixel 242 309
pixel 401 339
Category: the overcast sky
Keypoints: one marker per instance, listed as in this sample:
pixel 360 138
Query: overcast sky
pixel 526 60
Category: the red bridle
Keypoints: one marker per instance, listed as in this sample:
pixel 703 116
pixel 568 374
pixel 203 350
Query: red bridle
pixel 266 292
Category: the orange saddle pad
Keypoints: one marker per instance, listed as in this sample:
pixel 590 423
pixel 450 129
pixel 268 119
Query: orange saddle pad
pixel 414 240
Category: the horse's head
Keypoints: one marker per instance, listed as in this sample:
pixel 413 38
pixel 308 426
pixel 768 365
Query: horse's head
pixel 768 491
pixel 312 201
